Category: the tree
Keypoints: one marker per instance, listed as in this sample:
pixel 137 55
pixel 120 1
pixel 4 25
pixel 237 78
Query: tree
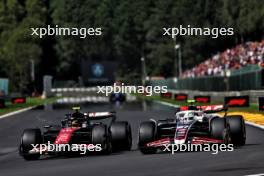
pixel 18 46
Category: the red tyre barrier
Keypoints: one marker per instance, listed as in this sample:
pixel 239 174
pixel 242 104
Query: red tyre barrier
pixel 166 95
pixel 237 101
pixel 202 99
pixel 261 103
pixel 18 100
pixel 181 97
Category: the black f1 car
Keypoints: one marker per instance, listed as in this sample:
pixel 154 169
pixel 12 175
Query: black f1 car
pixel 79 128
pixel 195 125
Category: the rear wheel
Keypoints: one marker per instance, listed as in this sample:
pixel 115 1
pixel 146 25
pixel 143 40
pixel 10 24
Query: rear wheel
pixel 121 136
pixel 30 137
pixel 147 133
pixel 220 130
pixel 237 129
pixel 100 137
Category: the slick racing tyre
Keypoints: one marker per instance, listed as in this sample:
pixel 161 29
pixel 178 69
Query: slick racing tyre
pixel 29 137
pixel 121 136
pixel 237 129
pixel 101 137
pixel 147 133
pixel 220 129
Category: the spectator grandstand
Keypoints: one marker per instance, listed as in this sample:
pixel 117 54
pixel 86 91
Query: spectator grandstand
pixel 249 53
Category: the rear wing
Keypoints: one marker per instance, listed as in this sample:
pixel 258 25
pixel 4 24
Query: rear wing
pixel 214 108
pixel 100 115
pixel 207 108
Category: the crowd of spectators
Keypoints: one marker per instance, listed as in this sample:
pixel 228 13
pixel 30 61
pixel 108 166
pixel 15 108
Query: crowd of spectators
pixel 242 55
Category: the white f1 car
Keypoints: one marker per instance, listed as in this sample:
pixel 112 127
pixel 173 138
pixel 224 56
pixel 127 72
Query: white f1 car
pixel 194 125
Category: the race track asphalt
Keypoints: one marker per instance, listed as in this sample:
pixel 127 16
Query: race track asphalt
pixel 245 160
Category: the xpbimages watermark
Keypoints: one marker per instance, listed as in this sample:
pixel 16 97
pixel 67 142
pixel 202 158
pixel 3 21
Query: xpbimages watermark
pixel 49 147
pixel 197 31
pixel 125 89
pixel 65 31
pixel 214 148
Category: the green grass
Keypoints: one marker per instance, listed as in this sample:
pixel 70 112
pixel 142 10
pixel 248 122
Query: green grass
pixel 252 109
pixel 29 103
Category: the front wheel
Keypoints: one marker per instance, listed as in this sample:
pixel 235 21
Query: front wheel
pixel 30 137
pixel 147 133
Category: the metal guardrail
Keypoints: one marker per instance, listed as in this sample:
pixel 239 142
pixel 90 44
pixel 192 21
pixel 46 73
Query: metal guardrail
pixel 88 99
pixel 74 89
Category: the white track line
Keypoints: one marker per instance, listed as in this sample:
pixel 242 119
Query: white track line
pixel 261 174
pixel 255 125
pixel 16 112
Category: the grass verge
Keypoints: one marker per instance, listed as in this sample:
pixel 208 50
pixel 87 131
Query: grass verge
pixel 29 103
